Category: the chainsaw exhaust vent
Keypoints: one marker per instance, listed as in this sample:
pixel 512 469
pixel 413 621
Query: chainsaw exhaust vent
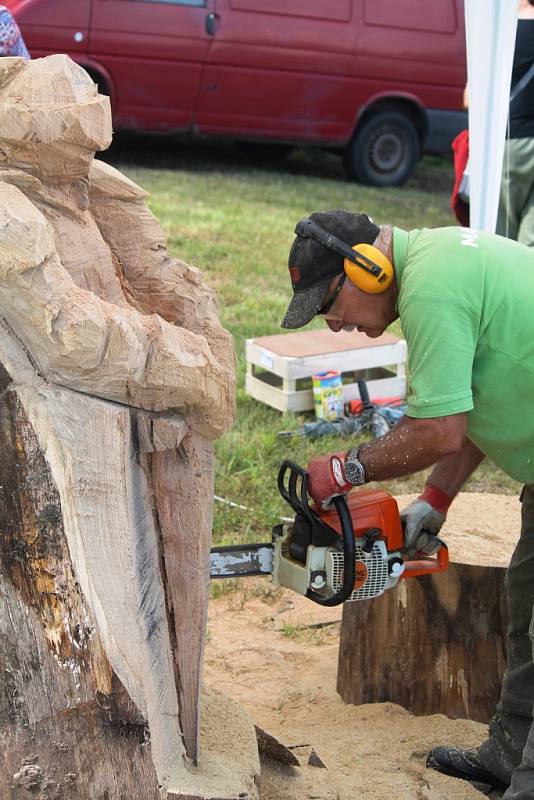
pixel 371 571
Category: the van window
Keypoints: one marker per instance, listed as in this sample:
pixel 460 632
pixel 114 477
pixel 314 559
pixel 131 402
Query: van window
pixel 336 10
pixel 434 16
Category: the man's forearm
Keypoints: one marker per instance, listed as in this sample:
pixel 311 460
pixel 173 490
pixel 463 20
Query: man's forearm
pixel 413 445
pixel 451 473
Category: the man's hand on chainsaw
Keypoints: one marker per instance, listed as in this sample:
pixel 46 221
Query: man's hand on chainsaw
pixel 422 520
pixel 326 477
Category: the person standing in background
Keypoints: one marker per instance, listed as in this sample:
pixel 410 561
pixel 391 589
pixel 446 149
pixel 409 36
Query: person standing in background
pixel 515 218
pixel 516 205
pixel 11 41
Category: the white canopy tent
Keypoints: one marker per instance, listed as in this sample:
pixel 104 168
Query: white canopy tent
pixel 490 34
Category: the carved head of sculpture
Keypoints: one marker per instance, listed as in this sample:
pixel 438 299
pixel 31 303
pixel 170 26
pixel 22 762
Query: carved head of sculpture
pixel 52 119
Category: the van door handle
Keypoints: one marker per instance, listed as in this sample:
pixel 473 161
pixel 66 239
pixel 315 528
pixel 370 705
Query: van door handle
pixel 212 23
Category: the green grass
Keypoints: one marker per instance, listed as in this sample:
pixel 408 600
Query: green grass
pixel 234 220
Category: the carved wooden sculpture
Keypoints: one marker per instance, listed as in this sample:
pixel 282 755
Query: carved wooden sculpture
pixel 115 377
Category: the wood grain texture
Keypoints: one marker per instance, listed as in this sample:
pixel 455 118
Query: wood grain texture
pixel 435 644
pixel 69 662
pixel 68 729
pixel 106 504
pixel 180 477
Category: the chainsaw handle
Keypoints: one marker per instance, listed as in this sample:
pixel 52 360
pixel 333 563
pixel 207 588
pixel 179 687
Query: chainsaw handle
pixel 349 557
pixel 427 565
pixel 296 494
pixel 298 500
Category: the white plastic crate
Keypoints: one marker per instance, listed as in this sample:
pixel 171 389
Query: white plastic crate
pixel 279 368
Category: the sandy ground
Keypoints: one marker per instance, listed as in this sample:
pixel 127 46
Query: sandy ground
pixel 263 652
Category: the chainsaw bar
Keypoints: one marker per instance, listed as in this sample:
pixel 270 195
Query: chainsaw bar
pixel 236 561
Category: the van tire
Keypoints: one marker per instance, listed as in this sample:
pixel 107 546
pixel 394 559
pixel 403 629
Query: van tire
pixel 384 150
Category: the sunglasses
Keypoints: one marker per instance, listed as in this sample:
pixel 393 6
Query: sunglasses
pixel 325 308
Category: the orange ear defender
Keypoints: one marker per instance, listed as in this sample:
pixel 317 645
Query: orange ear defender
pixel 360 269
pixel 365 265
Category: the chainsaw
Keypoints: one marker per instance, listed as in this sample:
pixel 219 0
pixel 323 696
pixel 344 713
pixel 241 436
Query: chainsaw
pixel 352 550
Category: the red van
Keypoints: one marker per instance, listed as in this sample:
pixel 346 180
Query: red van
pixel 380 80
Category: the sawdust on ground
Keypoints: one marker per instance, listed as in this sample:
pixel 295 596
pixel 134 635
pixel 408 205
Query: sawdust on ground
pixel 264 651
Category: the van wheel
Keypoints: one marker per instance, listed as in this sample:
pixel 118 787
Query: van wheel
pixel 384 151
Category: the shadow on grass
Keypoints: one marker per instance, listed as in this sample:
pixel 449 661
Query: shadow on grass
pixel 168 152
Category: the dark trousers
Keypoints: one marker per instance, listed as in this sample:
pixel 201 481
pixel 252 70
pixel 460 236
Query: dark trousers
pixel 516 206
pixel 508 751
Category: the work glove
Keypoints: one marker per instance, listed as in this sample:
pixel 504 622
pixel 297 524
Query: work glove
pixel 422 520
pixel 327 478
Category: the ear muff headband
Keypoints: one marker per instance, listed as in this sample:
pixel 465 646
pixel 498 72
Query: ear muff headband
pixel 365 265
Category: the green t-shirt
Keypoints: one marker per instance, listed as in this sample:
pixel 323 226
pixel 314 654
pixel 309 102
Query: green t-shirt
pixel 466 306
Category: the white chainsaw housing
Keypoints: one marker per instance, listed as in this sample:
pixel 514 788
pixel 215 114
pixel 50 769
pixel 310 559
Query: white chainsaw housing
pixel 323 571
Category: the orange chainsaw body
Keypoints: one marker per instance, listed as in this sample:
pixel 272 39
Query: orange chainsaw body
pixel 377 509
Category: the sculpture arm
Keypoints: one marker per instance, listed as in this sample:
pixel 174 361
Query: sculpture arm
pixel 81 341
pixel 157 282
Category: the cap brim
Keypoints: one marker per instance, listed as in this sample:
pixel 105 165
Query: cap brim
pixel 305 305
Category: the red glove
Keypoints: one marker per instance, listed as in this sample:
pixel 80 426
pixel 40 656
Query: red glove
pixel 422 520
pixel 326 477
pixel 437 498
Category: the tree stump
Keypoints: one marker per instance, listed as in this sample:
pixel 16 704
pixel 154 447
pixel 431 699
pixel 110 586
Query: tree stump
pixel 436 644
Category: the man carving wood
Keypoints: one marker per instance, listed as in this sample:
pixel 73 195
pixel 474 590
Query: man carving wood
pixel 464 300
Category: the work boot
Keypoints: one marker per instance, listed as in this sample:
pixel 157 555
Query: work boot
pixel 464 764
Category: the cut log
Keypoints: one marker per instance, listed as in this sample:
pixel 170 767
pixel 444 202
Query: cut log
pixel 115 376
pixel 436 644
pixel 66 720
pixel 90 647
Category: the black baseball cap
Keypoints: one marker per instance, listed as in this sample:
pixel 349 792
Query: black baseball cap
pixel 312 266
